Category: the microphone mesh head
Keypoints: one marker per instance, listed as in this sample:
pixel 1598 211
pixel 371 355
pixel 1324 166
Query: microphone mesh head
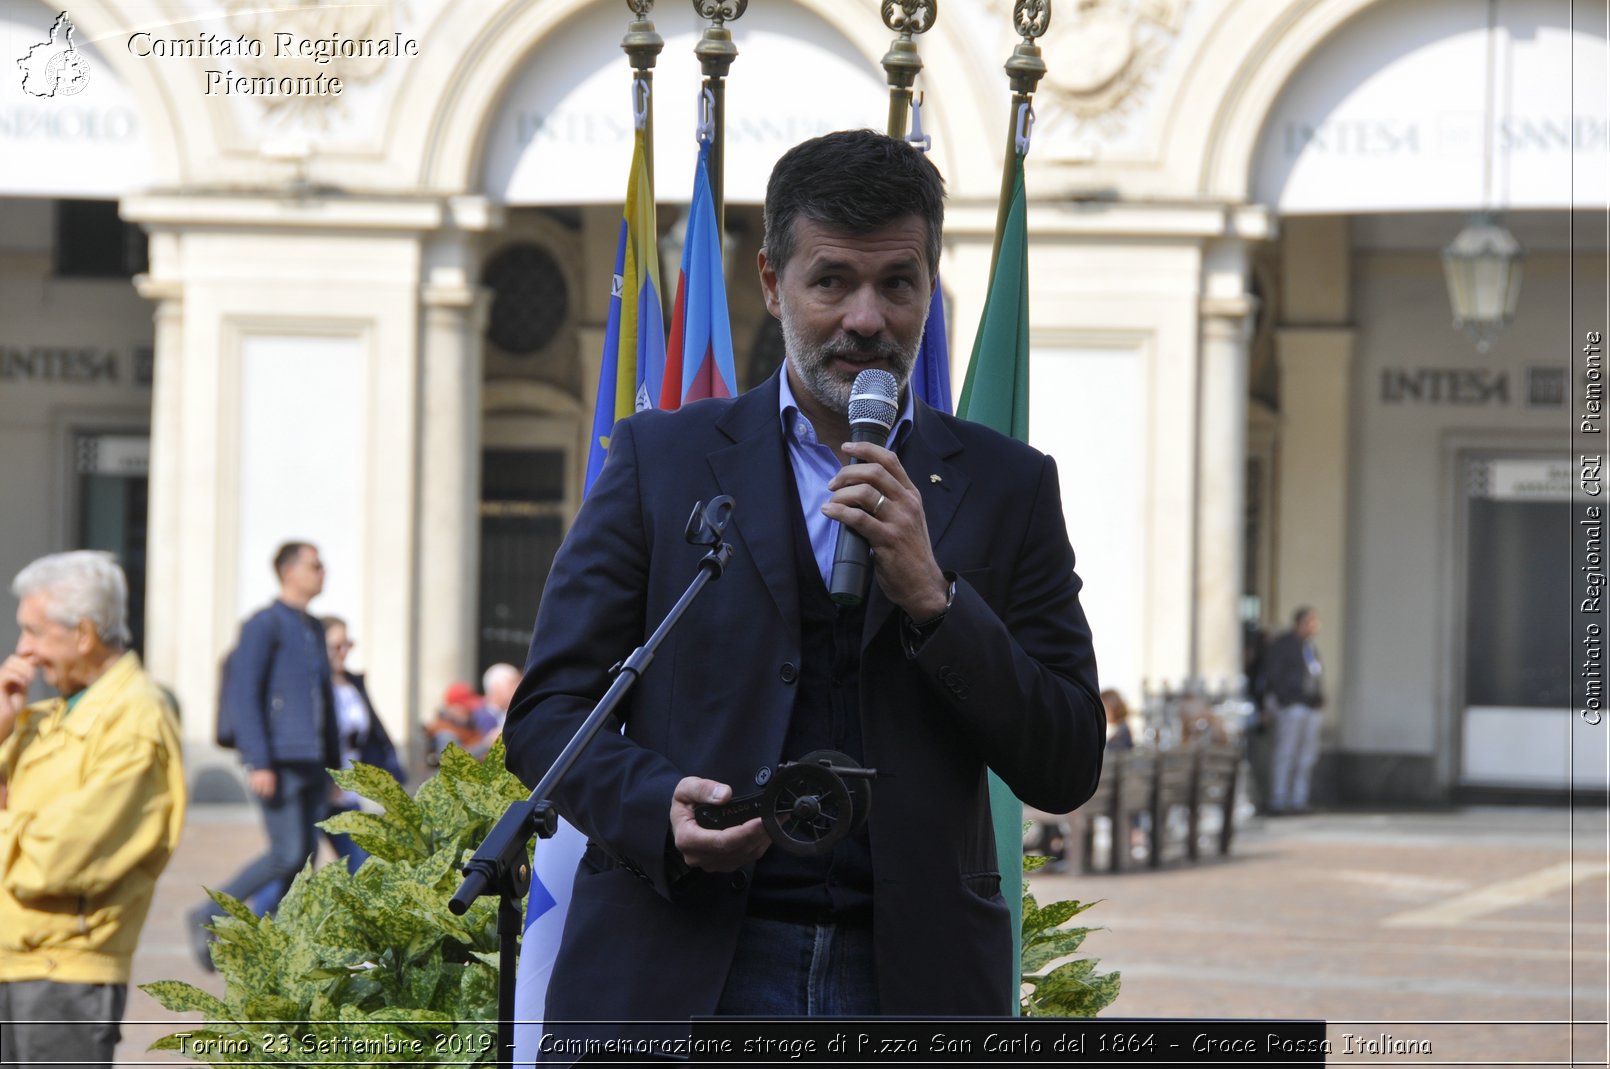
pixel 874 398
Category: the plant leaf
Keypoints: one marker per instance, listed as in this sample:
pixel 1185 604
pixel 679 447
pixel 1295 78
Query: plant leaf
pixel 179 997
pixel 371 954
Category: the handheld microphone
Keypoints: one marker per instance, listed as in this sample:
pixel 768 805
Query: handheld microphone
pixel 874 406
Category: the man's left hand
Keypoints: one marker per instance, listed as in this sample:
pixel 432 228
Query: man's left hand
pixel 895 528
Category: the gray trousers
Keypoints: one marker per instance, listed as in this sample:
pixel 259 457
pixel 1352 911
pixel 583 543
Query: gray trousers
pixel 1296 751
pixel 59 1025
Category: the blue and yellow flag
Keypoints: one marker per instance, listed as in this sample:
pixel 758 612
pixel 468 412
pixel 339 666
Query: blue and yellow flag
pixel 634 341
pixel 629 379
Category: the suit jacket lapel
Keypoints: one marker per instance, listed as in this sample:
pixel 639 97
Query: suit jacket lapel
pixel 930 458
pixel 751 469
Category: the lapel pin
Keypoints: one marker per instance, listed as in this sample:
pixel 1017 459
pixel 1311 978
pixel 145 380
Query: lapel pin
pixel 935 479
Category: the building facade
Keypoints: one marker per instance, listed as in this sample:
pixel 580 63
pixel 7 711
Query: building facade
pixel 242 307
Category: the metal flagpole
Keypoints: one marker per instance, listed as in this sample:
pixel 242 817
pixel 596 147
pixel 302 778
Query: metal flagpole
pixel 1031 18
pixel 716 53
pixel 642 45
pixel 901 63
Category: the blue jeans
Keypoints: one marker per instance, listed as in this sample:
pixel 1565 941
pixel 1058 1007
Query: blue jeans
pixel 781 969
pixel 345 848
pixel 300 801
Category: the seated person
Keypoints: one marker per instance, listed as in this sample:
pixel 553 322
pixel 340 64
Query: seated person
pixel 463 718
pixel 1200 725
pixel 1119 734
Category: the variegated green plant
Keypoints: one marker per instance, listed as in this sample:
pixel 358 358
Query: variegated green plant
pixel 1073 988
pixel 369 968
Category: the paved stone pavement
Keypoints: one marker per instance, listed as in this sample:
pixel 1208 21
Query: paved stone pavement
pixel 1480 932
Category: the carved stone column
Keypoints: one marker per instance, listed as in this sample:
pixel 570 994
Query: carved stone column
pixel 449 486
pixel 1316 365
pixel 1220 487
pixel 163 548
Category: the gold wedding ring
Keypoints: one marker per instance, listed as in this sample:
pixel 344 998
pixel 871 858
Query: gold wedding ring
pixel 879 505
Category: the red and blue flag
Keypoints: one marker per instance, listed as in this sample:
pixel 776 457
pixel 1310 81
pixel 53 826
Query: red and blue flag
pixel 698 356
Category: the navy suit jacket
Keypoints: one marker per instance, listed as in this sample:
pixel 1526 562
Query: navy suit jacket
pixel 1290 679
pixel 1007 682
pixel 278 678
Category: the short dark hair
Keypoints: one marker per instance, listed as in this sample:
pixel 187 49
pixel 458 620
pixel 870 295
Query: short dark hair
pixel 286 555
pixel 852 180
pixel 1303 612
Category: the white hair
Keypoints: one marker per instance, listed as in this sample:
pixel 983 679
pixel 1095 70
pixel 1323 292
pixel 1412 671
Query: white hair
pixel 84 584
pixel 498 673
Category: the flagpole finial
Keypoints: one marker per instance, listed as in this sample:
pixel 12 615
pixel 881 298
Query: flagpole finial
pixel 715 48
pixel 908 17
pixel 716 51
pixel 1031 18
pixel 901 63
pixel 642 43
pixel 720 11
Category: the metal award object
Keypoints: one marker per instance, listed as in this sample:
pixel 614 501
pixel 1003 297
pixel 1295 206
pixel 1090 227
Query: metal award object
pixel 807 806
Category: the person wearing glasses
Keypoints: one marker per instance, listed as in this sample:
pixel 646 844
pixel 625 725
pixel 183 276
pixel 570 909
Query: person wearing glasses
pixel 363 737
pixel 279 694
pixel 92 800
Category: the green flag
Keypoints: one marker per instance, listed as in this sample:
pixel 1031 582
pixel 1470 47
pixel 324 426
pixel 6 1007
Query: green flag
pixel 996 394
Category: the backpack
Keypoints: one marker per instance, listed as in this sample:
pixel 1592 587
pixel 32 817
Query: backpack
pixel 224 730
pixel 1255 650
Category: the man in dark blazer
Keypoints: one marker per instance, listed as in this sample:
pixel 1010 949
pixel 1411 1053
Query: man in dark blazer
pixel 971 652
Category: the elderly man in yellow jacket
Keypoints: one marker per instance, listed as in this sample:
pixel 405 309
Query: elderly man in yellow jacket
pixel 92 799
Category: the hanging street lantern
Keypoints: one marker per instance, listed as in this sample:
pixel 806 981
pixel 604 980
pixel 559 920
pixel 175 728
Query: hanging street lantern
pixel 1483 268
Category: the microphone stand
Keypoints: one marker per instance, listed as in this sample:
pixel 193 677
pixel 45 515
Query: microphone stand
pixel 499 866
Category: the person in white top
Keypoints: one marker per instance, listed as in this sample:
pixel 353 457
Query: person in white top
pixel 363 736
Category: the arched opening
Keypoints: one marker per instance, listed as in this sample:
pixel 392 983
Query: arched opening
pixel 1391 425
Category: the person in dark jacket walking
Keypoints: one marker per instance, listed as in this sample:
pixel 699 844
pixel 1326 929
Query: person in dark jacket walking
pixel 363 738
pixel 278 691
pixel 1293 673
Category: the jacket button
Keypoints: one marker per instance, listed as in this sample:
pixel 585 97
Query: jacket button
pixel 789 672
pixel 763 777
pixel 953 682
pixel 739 881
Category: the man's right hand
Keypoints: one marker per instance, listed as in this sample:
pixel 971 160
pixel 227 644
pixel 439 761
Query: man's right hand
pixel 16 676
pixel 262 782
pixel 713 851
